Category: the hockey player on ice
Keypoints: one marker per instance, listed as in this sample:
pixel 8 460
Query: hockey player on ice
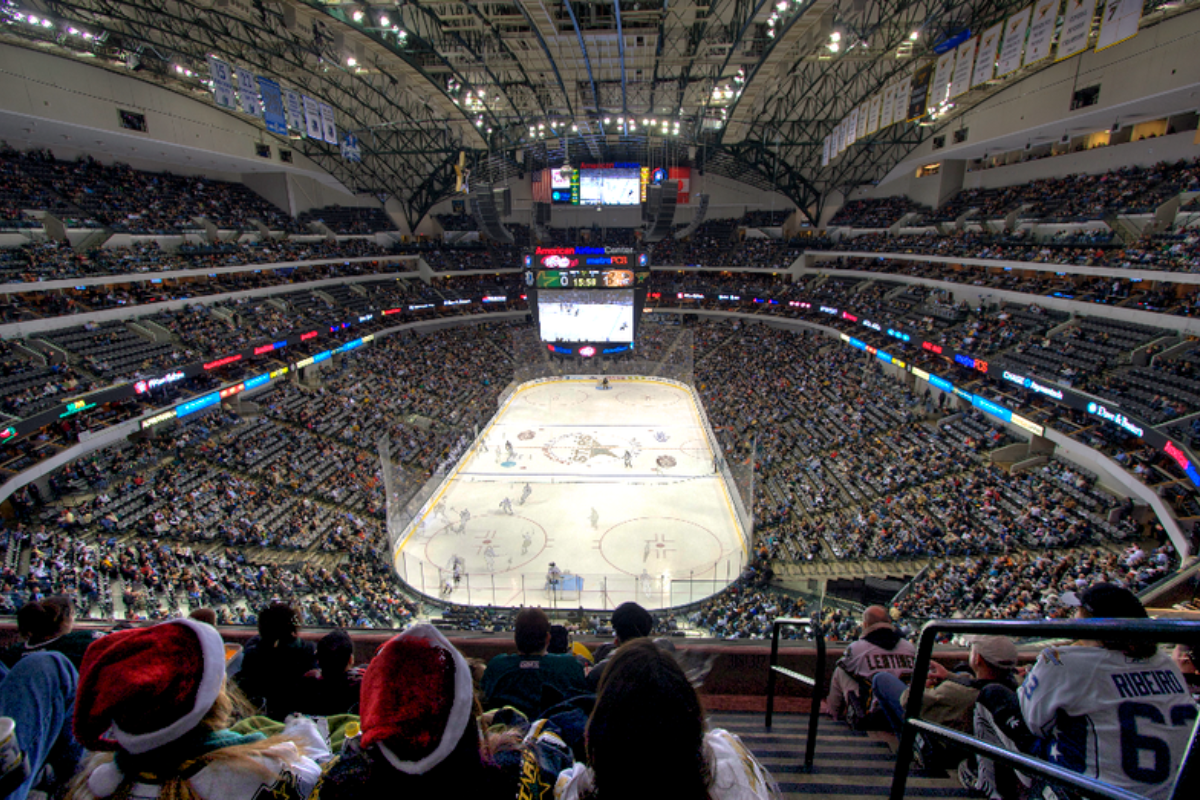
pixel 525 494
pixel 595 518
pixel 489 556
pixel 526 540
pixel 506 505
pixel 628 460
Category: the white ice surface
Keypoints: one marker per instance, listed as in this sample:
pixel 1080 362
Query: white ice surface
pixel 661 531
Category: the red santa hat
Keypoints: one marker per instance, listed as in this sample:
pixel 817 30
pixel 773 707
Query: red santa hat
pixel 144 688
pixel 415 701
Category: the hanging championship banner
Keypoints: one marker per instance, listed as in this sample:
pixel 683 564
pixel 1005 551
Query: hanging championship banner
pixel 248 92
pixel 862 121
pixel 295 112
pixel 272 102
pixel 222 78
pixel 1041 30
pixel 918 93
pixel 900 106
pixel 328 129
pixel 941 79
pixel 825 152
pixel 873 109
pixel 1014 42
pixel 312 119
pixel 887 107
pixel 985 60
pixel 964 63
pixel 1076 28
pixel 1118 22
pixel 852 127
pixel 350 148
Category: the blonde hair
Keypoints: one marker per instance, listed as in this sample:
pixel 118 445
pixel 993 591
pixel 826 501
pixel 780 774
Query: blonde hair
pixel 173 784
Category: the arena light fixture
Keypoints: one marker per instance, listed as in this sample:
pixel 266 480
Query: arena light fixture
pixel 351 61
pixel 357 15
pixel 914 35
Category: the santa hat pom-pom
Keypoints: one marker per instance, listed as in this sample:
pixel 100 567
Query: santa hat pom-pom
pixel 105 779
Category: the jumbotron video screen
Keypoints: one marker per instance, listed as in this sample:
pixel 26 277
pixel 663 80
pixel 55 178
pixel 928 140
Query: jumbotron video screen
pixel 587 295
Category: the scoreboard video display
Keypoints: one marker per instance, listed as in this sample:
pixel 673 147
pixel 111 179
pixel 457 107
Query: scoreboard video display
pixel 587 296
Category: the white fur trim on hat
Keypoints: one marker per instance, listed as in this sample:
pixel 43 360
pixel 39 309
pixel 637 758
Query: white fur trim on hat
pixel 105 779
pixel 460 709
pixel 212 650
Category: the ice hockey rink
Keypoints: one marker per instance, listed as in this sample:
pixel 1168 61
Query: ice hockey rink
pixel 622 497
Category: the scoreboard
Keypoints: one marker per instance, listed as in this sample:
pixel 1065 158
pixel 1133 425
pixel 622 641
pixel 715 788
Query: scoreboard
pixel 587 299
pixel 582 257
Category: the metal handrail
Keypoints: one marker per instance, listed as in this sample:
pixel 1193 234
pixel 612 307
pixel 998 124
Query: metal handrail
pixel 1092 629
pixel 817 683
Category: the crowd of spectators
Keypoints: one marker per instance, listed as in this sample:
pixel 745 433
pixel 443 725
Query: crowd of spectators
pixel 352 221
pixel 1070 198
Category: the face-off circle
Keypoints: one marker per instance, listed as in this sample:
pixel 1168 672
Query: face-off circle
pixel 556 397
pixel 657 544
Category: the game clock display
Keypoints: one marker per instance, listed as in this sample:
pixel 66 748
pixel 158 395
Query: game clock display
pixel 585 279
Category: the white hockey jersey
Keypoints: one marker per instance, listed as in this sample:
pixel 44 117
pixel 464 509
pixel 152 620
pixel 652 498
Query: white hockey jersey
pixel 1121 720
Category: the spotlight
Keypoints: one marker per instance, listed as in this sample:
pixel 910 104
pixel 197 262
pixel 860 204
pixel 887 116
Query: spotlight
pixel 357 15
pixel 914 35
pixel 351 62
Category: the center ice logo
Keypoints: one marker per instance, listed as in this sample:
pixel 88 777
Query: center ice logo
pixel 580 448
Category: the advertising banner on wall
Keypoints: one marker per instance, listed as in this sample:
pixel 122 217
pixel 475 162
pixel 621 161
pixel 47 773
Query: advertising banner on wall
pixel 1076 28
pixel 1041 30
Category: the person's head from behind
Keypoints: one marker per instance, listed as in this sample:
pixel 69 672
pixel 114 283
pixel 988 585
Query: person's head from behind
pixel 560 640
pixel 335 653
pixel 646 706
pixel 531 631
pixel 205 615
pixel 418 710
pixel 277 624
pixel 1185 658
pixel 44 620
pixel 1109 601
pixel 993 657
pixel 630 621
pixel 143 690
pixel 873 616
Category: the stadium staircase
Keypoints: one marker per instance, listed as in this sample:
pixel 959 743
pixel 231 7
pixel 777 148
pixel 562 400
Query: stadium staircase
pixel 849 765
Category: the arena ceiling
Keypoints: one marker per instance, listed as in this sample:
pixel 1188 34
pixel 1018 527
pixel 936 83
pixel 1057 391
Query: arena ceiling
pixel 743 88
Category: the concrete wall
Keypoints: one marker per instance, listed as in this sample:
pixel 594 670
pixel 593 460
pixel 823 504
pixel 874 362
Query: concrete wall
pixel 1155 74
pixel 72 107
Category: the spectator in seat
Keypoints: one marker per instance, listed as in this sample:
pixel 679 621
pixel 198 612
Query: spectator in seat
pixel 647 709
pixel 630 621
pixel 531 680
pixel 421 734
pixel 38 695
pixel 47 626
pixel 880 648
pixel 1118 712
pixel 333 687
pixel 949 697
pixel 274 662
pixel 1184 656
pixel 151 705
